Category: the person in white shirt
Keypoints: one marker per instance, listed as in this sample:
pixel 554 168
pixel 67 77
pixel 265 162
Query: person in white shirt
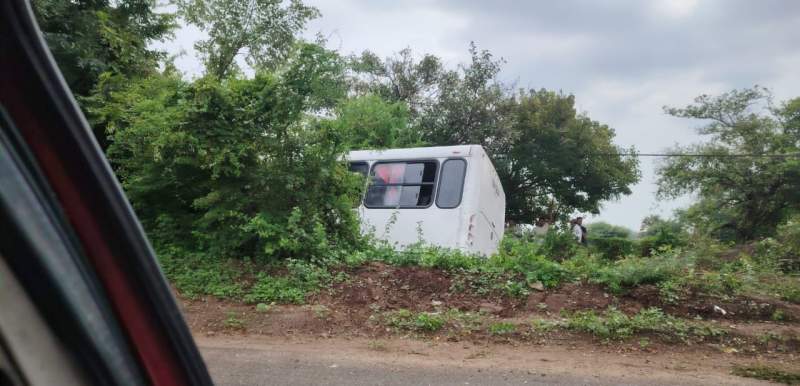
pixel 578 230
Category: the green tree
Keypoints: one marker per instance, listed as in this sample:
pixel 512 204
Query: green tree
pixel 369 122
pixel 264 31
pixel 238 167
pixel 470 106
pixel 398 78
pixel 604 229
pixel 558 161
pixel 91 40
pixel 748 180
pixel 551 160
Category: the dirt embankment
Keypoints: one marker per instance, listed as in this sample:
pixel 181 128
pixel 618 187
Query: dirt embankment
pixel 358 306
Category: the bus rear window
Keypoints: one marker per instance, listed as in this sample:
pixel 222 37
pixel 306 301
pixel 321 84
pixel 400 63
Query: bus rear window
pixel 451 183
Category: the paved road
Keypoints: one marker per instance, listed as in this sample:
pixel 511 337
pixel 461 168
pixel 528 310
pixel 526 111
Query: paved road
pixel 244 361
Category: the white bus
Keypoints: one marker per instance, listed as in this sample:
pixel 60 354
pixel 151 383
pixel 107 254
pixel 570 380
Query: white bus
pixel 448 196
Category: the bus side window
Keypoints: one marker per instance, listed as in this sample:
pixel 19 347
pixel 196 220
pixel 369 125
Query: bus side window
pixel 407 184
pixel 451 183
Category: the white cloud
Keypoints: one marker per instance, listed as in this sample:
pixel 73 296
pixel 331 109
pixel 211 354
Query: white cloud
pixel 674 8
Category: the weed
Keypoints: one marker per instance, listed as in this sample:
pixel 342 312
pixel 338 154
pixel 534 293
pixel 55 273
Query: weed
pixel 778 316
pixel 616 325
pixel 635 271
pixel 263 307
pixel 543 325
pixel 671 291
pixel 768 374
pixel 232 321
pixel 302 279
pixel 321 311
pixel 428 322
pixel 275 289
pixel 464 321
pixel 516 289
pixel 502 328
pixel 377 345
pixel 196 275
pixel 769 336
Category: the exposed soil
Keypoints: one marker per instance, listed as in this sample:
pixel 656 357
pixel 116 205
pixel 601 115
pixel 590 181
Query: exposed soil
pixel 350 309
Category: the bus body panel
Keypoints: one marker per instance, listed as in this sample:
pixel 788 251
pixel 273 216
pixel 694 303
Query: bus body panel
pixel 474 226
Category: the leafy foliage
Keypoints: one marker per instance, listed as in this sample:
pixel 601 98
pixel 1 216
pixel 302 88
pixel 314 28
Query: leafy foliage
pixel 768 374
pixel 612 248
pixel 657 233
pixel 604 230
pixel 91 38
pixel 550 159
pixel 741 196
pixel 237 167
pixel 95 40
pixel 261 30
pixel 423 322
pixel 783 249
pixel 616 325
pixel 369 122
pixel 502 328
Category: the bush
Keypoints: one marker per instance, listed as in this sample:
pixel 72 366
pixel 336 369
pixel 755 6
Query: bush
pixel 658 233
pixel 635 271
pixel 768 374
pixel 275 289
pixel 783 250
pixel 196 275
pixel 502 328
pixel 612 248
pixel 237 167
pixel 406 320
pixel 558 245
pixel 614 324
pixel 301 280
pixel 605 230
pixel 522 257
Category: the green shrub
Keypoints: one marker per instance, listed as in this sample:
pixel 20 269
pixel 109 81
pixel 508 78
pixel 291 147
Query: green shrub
pixel 558 245
pixel 523 258
pixel 302 279
pixel 275 289
pixel 768 374
pixel 502 328
pixel 658 233
pixel 791 294
pixel 543 325
pixel 605 230
pixel 612 248
pixel 197 275
pixel 635 271
pixel 783 250
pixel 428 322
pixel 233 321
pixel 422 322
pixel 614 324
pixel 241 167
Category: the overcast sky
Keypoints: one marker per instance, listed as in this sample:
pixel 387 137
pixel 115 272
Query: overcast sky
pixel 623 60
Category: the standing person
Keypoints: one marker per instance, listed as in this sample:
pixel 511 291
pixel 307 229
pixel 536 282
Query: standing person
pixel 578 230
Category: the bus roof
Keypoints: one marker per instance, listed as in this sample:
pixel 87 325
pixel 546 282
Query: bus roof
pixel 414 153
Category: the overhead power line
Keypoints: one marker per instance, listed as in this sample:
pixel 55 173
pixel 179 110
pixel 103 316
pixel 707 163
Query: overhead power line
pixel 786 155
